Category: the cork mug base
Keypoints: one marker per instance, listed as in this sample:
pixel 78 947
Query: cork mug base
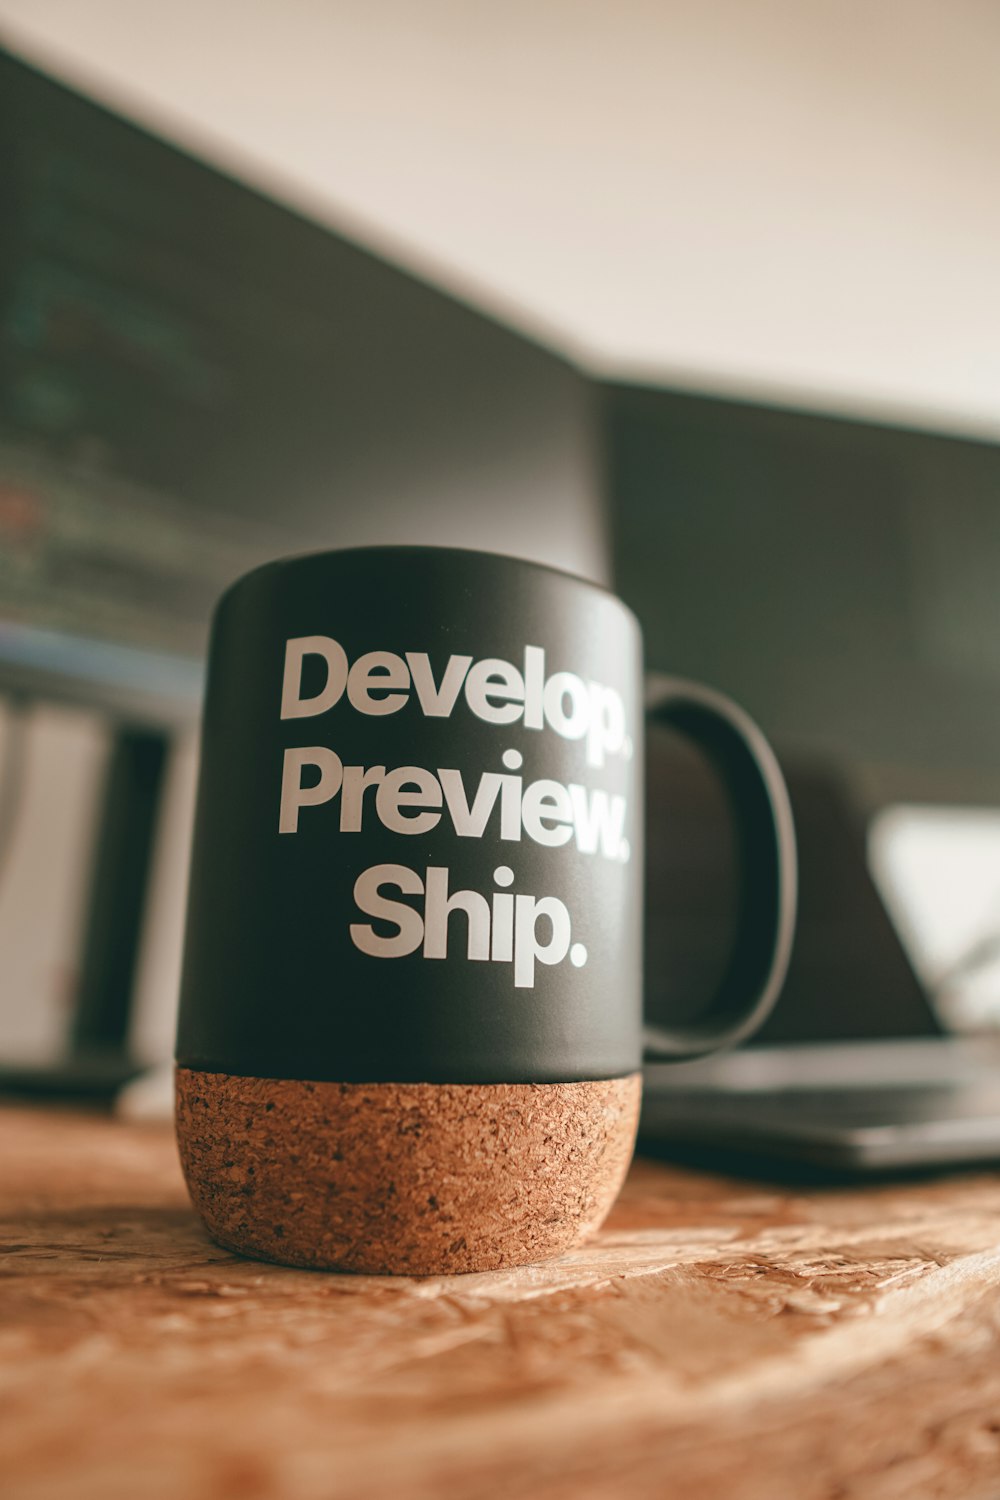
pixel 403 1178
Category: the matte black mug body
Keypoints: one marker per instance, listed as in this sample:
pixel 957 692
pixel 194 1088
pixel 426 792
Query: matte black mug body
pixel 416 884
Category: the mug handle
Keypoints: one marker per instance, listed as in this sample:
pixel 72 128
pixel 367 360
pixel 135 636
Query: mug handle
pixel 767 857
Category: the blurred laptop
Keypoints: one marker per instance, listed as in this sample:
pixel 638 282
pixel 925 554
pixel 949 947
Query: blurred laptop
pixel 855 1069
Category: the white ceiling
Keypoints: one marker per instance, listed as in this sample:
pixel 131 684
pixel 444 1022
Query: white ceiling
pixel 791 201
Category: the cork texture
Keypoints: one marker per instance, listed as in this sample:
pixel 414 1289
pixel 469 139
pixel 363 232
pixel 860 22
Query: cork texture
pixel 414 1179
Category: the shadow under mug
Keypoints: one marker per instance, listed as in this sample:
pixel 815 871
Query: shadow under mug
pixel 411 1014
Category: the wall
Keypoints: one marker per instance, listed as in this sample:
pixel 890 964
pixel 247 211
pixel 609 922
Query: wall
pixel 753 197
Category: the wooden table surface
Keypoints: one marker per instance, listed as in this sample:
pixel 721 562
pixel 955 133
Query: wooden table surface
pixel 719 1339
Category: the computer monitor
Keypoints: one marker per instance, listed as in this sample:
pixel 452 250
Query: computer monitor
pixel 840 578
pixel 194 380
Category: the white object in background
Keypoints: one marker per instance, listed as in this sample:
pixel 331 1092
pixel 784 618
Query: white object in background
pixel 158 973
pixel 45 879
pixel 148 1097
pixel 938 871
pixel 158 969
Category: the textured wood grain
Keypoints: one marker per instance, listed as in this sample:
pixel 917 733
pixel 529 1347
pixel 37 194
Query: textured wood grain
pixel 717 1339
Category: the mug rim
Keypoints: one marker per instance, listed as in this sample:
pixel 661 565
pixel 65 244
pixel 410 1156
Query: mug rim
pixel 428 547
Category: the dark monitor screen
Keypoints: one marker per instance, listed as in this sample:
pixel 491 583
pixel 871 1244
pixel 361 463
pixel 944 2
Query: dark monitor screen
pixel 141 344
pixel 839 578
pixel 194 379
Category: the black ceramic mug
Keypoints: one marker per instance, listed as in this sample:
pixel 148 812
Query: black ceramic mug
pixel 411 1013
